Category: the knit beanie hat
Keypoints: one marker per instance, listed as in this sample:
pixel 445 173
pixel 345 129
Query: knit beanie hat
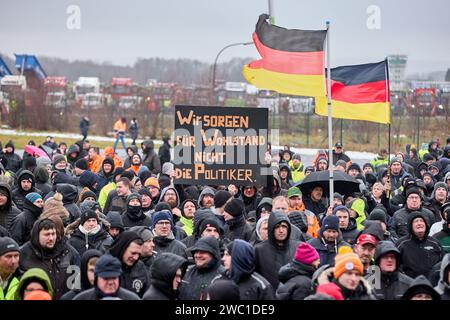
pixel 88 179
pixel 306 254
pixel 132 196
pixel 221 197
pixel 294 192
pixel 330 289
pixel 413 190
pixel 440 184
pixel 81 164
pixel 330 223
pixel 57 158
pixel 347 260
pixel 161 215
pixel 33 196
pixel 87 194
pixel 152 181
pixel 378 214
pixel 211 222
pixel 339 208
pixel 235 208
pixel 86 215
pixel 55 206
pixel 8 244
pixel 297 156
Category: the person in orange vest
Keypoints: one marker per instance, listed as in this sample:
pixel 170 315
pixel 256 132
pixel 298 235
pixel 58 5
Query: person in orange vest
pixel 296 204
pixel 109 152
pixel 94 159
pixel 120 127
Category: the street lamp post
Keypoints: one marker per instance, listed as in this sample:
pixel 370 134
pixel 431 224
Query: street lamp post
pixel 213 84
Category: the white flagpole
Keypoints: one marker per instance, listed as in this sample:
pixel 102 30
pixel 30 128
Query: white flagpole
pixel 330 119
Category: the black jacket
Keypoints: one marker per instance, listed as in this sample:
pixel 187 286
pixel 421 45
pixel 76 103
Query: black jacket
pixel 114 202
pixel 443 287
pixel 238 228
pixel 84 126
pixel 196 281
pixel 169 244
pixel 163 272
pixel 131 219
pixel 390 286
pixel 70 196
pixel 316 207
pixel 398 225
pixel 269 255
pixel 23 223
pixel 418 256
pixel 18 194
pixel 327 252
pixel 82 242
pixel 91 294
pixel 7 212
pixel 362 292
pixel 295 281
pixel 164 153
pixel 151 159
pixel 42 177
pixel 351 232
pixel 14 160
pixel 58 263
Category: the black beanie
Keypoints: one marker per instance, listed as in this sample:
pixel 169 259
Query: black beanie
pixel 163 206
pixel 108 160
pixel 88 194
pixel 221 197
pixel 211 222
pixel 235 207
pixel 7 245
pixel 86 215
pixel 121 243
pixel 81 164
pixel 132 196
pixel 145 191
pixel 378 214
pixel 412 190
pixel 128 174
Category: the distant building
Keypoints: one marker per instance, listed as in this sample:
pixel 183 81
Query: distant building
pixel 397 68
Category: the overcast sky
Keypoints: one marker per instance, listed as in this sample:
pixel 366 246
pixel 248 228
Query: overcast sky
pixel 122 31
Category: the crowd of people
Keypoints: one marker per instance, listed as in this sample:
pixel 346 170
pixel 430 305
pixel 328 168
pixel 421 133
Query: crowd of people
pixel 83 224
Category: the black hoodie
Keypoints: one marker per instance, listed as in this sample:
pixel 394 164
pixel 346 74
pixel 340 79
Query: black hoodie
pixel 7 212
pixel 270 256
pixel 23 223
pixel 418 256
pixel 14 160
pixel 18 194
pixel 163 272
pixel 421 285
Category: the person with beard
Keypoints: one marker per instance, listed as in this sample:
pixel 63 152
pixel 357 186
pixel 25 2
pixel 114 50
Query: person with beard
pixel 251 198
pixel 116 200
pixel 164 239
pixel 25 185
pixel 7 210
pixel 347 225
pixel 151 159
pixel 296 277
pixel 329 240
pixel 235 225
pixel 90 234
pixel 278 250
pixel 23 223
pixel 133 215
pixel 106 173
pixel 136 163
pixel 167 271
pixel 314 201
pixel 392 283
pixel 14 161
pixel 147 204
pixel 107 282
pixel 419 252
pixel 206 198
pixel 49 250
pixel 188 208
pixel 170 196
pixel 198 277
pixel 365 249
pixel 87 266
pixel 127 247
pixel 147 254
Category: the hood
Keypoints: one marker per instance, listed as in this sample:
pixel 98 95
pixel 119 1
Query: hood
pixel 446 153
pixel 277 180
pixel 374 228
pixel 420 283
pixel 87 255
pixel 384 247
pixel 205 191
pixel 242 260
pixel 414 215
pixel 275 218
pixel 41 174
pixel 208 244
pixel 28 276
pixel 293 269
pixel 163 270
pixel 163 192
pixel 68 191
pixel 28 205
pixel 5 186
pixel 25 174
pixel 10 143
pixel 149 146
pixel 121 243
pixel 264 202
pixel 115 220
pixel 199 216
pixel 133 148
pixel 74 148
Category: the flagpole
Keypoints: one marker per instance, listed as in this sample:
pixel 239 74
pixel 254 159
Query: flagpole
pixel 389 125
pixel 330 120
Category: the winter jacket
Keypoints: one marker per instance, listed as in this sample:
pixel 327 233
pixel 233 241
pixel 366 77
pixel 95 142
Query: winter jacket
pixel 56 263
pixel 423 284
pixel 362 292
pixel 351 232
pixel 151 159
pixel 133 219
pixel 114 202
pixel 316 207
pixel 398 225
pixel 70 197
pixel 83 240
pixel 295 281
pixel 196 281
pixel 443 237
pixel 169 244
pixel 18 194
pixel 251 203
pixel 42 177
pixel 104 192
pixel 163 272
pixel 238 228
pixel 92 294
pixel 133 130
pixel 8 211
pixel 392 285
pixel 327 251
pixel 418 256
pixel 297 174
pixel 340 156
pixel 270 256
pixel 84 126
pixel 164 153
pixel 443 287
pixel 14 161
pixel 23 223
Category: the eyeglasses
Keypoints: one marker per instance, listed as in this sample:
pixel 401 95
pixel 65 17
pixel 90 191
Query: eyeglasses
pixel 163 223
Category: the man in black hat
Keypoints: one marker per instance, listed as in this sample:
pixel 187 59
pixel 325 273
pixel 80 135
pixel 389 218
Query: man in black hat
pixel 9 268
pixel 14 161
pixel 134 215
pixel 127 247
pixel 235 225
pixel 25 185
pixel 107 282
pixel 338 154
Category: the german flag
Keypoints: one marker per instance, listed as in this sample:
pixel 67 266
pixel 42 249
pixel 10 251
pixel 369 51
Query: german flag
pixel 359 92
pixel 292 60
